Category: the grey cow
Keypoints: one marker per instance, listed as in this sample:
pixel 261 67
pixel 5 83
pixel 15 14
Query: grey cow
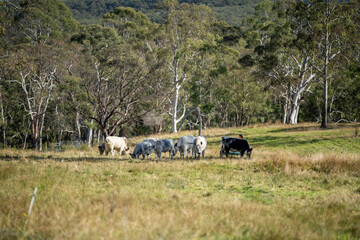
pixel 164 145
pixel 185 144
pixel 143 148
pixel 152 142
pixel 199 146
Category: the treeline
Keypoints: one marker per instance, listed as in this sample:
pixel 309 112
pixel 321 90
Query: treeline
pixel 91 11
pixel 60 80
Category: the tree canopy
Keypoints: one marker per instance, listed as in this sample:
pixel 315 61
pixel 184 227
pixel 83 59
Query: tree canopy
pixel 290 61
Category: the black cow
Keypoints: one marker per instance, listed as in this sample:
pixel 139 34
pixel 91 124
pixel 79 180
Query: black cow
pixel 235 145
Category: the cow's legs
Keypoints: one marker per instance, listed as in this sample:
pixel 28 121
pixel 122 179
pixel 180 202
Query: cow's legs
pixel 106 150
pixel 203 153
pixel 121 151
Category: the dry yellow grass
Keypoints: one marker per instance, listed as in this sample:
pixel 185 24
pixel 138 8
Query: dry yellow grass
pixel 278 194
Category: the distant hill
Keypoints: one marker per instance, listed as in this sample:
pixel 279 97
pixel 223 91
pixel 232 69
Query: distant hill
pixel 90 11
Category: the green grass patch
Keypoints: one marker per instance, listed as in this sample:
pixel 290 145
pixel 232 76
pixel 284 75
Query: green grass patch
pixel 301 183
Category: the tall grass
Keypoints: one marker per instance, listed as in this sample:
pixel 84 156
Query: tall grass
pixel 281 193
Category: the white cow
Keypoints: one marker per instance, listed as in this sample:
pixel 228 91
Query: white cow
pixel 199 146
pixel 185 144
pixel 114 143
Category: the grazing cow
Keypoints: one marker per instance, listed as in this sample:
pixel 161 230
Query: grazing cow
pixel 236 145
pixel 152 142
pixel 143 148
pixel 184 144
pixel 199 146
pixel 114 143
pixel 164 145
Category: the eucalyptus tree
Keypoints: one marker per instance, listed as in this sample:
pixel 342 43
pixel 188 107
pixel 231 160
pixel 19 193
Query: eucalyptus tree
pixel 119 83
pixel 35 76
pixel 130 24
pixel 31 57
pixel 328 22
pixel 285 60
pixel 185 24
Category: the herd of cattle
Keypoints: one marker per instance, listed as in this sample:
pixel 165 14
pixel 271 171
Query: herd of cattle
pixel 184 145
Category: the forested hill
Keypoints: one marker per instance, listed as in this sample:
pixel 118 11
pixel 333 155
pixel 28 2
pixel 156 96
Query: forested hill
pixel 90 11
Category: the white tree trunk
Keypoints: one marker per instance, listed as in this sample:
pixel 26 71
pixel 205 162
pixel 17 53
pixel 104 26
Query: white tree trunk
pixel 177 82
pixel 3 129
pixel 174 109
pixel 50 87
pixel 78 125
pixel 90 134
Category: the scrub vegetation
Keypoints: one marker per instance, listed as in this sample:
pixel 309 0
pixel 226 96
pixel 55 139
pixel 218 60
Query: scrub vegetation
pixel 301 183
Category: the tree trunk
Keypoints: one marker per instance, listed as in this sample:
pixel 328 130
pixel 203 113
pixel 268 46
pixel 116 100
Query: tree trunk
pixel 326 62
pixel 41 126
pixel 78 125
pixel 295 102
pixel 287 104
pixel 90 134
pixel 3 129
pixel 174 112
pixel 297 114
pixel 200 121
pixel 99 136
pixel 330 108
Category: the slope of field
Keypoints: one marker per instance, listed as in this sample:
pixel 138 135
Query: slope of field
pixel 301 183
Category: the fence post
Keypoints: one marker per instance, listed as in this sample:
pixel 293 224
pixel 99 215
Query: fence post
pixel 30 208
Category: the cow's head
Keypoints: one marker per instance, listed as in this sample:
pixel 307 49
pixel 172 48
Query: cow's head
pixel 133 156
pixel 199 145
pixel 248 152
pixel 150 150
pixel 101 148
pixel 127 151
pixel 176 149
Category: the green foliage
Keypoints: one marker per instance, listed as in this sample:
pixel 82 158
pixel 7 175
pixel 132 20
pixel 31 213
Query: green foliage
pixel 39 21
pixel 238 71
pixel 90 11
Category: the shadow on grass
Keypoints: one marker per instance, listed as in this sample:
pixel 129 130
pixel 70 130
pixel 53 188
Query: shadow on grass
pixel 105 159
pixel 59 159
pixel 314 128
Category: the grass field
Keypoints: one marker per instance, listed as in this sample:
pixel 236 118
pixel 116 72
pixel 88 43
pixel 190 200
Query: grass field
pixel 301 183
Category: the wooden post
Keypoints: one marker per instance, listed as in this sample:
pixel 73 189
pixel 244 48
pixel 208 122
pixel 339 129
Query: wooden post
pixel 30 208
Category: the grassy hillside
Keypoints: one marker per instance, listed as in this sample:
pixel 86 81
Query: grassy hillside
pixel 301 183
